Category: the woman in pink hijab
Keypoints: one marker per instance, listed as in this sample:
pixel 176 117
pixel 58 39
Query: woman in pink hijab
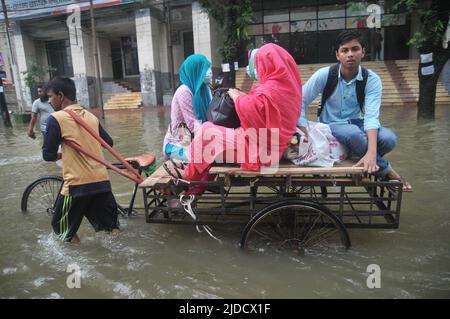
pixel 268 115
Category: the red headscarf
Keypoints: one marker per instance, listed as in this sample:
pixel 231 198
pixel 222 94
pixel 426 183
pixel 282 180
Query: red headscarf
pixel 274 102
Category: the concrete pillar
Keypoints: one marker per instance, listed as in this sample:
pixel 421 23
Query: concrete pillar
pixel 104 54
pixel 25 52
pixel 207 36
pixel 83 65
pixel 147 34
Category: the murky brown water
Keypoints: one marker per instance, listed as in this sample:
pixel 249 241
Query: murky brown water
pixel 167 261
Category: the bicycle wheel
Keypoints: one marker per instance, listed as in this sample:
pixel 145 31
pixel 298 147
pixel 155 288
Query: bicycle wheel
pixel 40 196
pixel 297 226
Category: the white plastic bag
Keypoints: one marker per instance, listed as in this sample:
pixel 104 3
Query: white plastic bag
pixel 321 148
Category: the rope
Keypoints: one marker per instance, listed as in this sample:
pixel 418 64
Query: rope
pixel 136 178
pixel 188 208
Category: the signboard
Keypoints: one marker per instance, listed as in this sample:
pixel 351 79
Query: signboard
pixel 3 75
pixel 26 9
pixel 304 26
pixel 275 28
pixel 332 24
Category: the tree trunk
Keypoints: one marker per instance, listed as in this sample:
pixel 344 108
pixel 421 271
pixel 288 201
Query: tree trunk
pixel 428 84
pixel 427 97
pixel 229 78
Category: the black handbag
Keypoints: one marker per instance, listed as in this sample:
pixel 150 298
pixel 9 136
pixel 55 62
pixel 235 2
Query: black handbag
pixel 221 110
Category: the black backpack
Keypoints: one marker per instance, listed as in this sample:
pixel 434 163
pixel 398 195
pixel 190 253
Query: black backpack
pixel 331 85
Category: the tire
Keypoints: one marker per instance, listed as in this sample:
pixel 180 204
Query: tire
pixel 40 196
pixel 297 226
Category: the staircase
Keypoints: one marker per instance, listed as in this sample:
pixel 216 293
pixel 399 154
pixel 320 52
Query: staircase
pixel 130 100
pixel 130 86
pixel 399 78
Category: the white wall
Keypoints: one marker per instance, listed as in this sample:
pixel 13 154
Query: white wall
pixel 207 36
pixel 178 54
pixel 163 50
pixel 104 55
pixel 148 35
pixel 25 54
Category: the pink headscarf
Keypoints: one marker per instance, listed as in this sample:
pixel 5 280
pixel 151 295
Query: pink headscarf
pixel 274 102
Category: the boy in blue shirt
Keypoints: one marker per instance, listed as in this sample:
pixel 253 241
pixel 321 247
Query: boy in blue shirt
pixel 352 107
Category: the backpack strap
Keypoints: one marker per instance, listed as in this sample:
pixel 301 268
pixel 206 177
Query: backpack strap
pixel 360 88
pixel 330 86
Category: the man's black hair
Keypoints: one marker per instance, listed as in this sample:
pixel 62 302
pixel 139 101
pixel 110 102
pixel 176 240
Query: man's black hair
pixel 347 36
pixel 63 85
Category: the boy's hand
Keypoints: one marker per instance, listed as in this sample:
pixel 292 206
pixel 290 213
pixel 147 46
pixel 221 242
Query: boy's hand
pixel 369 162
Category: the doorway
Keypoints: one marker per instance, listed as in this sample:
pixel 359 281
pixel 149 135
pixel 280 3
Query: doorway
pixel 395 47
pixel 188 41
pixel 116 59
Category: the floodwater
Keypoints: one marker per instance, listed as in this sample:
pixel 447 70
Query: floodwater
pixel 174 261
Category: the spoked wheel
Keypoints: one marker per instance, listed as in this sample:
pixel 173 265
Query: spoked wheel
pixel 40 196
pixel 295 226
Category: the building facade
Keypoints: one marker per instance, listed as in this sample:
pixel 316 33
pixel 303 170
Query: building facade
pixel 145 42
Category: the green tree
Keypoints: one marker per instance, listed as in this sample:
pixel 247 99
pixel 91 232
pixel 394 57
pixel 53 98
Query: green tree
pixel 35 74
pixel 434 15
pixel 233 17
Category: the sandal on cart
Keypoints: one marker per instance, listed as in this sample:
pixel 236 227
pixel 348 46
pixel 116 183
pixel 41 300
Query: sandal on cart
pixel 173 171
pixel 406 185
pixel 178 164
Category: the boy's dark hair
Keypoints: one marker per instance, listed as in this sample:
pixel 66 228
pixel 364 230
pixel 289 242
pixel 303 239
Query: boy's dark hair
pixel 63 85
pixel 347 36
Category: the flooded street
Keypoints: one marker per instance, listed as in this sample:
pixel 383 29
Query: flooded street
pixel 174 261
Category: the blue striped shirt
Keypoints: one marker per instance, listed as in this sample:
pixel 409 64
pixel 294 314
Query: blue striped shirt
pixel 343 105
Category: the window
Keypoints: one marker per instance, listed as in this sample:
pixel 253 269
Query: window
pixel 304 13
pixel 276 16
pixel 59 57
pixel 275 4
pixel 332 11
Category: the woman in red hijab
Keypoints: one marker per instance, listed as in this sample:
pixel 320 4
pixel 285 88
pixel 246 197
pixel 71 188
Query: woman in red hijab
pixel 271 109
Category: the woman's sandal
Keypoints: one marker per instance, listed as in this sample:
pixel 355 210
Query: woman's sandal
pixel 178 164
pixel 176 175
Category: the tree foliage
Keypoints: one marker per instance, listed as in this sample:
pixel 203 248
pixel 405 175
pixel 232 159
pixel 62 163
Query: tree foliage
pixel 434 15
pixel 233 17
pixel 35 74
pixel 434 18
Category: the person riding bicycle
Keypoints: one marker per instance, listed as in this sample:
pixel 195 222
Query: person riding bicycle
pixel 86 190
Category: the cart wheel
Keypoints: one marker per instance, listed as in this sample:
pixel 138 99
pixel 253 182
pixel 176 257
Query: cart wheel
pixel 298 226
pixel 40 196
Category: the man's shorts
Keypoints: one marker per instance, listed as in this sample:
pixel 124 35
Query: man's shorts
pixel 99 209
